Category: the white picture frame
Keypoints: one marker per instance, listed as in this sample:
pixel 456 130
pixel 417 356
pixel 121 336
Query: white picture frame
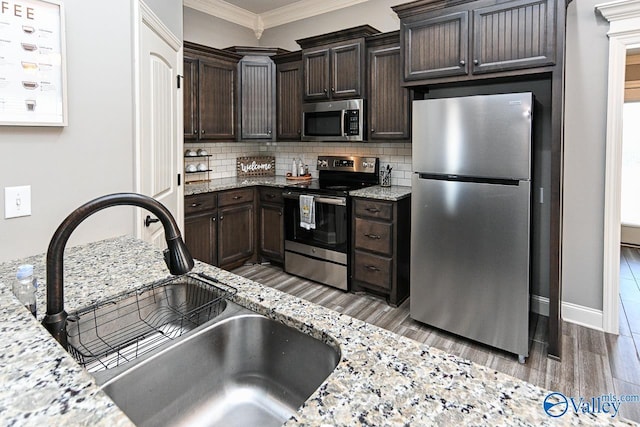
pixel 33 75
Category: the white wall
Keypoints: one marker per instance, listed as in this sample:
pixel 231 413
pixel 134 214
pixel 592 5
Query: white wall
pixel 376 13
pixel 208 30
pixel 94 154
pixel 584 148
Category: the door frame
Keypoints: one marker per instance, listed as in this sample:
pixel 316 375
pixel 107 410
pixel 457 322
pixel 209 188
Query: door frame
pixel 624 33
pixel 143 15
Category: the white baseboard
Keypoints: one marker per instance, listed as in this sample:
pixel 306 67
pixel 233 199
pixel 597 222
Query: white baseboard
pixel 540 305
pixel 572 313
pixel 583 316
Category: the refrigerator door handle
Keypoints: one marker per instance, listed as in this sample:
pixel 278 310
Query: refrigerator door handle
pixel 480 180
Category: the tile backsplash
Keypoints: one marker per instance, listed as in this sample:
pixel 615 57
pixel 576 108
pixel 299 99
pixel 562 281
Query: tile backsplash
pixel 224 154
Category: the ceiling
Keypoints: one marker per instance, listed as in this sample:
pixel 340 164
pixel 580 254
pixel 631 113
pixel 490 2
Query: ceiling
pixel 259 15
pixel 260 6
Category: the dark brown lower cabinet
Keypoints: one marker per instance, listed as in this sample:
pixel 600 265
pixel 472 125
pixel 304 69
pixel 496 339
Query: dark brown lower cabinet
pixel 271 224
pixel 381 246
pixel 220 227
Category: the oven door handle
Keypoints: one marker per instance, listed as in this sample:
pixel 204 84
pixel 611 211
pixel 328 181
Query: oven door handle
pixel 338 201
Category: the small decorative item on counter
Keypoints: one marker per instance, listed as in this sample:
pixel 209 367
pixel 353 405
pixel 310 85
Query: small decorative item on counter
pixel 385 177
pixel 294 167
pixel 25 286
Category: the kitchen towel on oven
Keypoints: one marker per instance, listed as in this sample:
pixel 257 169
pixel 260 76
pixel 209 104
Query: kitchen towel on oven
pixel 307 212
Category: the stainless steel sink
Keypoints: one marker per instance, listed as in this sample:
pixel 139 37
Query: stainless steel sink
pixel 243 370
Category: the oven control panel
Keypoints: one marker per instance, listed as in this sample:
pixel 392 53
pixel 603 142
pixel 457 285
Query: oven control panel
pixel 348 163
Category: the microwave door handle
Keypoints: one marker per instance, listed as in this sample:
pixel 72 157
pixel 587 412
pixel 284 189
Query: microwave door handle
pixel 344 119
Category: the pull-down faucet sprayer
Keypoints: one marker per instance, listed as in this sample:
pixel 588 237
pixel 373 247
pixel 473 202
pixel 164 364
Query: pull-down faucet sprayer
pixel 176 256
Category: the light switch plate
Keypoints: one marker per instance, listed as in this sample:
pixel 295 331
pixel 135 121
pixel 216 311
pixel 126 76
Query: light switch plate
pixel 17 201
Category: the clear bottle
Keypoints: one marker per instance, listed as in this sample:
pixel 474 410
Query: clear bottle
pixel 294 167
pixel 24 288
pixel 301 167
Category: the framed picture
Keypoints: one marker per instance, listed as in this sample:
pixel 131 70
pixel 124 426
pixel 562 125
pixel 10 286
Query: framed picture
pixel 32 63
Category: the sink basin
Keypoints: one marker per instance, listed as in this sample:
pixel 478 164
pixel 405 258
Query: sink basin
pixel 243 370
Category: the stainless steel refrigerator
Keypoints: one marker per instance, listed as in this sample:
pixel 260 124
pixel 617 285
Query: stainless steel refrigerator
pixel 470 217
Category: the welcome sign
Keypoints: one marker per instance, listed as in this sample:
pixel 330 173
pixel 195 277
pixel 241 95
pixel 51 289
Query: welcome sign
pixel 256 166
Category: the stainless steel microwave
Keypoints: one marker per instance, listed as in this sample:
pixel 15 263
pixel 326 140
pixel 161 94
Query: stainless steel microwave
pixel 333 121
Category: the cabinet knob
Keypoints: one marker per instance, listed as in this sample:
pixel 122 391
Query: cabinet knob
pixel 213 218
pixel 221 217
pixel 373 130
pixel 299 131
pixel 333 90
pixel 269 132
pixel 476 62
pixel 280 213
pixel 195 131
pixel 462 63
pixel 324 90
pixel 202 131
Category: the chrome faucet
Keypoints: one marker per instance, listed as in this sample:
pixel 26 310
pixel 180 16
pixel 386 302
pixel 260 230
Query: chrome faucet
pixel 176 256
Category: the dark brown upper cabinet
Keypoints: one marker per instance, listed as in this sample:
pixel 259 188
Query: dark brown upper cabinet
pixel 210 86
pixel 257 94
pixel 388 101
pixel 334 64
pixel 472 38
pixel 289 95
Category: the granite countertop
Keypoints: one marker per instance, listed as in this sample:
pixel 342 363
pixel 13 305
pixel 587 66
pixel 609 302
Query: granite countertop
pixel 382 379
pixel 393 193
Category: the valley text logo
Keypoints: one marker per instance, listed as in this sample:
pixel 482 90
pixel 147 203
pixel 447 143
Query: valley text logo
pixel 557 404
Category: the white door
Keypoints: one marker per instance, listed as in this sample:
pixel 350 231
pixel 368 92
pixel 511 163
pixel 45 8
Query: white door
pixel 159 129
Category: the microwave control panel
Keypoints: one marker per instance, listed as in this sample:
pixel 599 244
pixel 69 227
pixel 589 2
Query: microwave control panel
pixel 352 127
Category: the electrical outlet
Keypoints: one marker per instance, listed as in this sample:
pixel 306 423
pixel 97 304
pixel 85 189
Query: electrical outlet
pixel 17 201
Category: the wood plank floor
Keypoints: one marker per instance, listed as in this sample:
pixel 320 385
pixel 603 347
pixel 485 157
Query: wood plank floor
pixel 593 363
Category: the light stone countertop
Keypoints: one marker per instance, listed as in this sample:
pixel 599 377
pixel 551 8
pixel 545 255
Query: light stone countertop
pixel 382 379
pixel 393 193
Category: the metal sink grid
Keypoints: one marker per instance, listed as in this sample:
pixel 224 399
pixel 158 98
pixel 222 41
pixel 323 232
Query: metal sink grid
pixel 127 326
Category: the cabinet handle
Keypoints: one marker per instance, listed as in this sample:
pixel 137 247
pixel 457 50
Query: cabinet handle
pixel 372 236
pixel 373 210
pixel 476 62
pixel 372 268
pixel 195 205
pixel 237 197
pixel 462 62
pixel 271 196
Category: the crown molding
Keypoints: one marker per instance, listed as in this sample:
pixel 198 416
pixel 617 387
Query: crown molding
pixel 259 22
pixel 226 11
pixel 303 9
pixel 619 10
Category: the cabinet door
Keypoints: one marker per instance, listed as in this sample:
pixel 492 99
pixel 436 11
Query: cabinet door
pixel 316 74
pixel 289 100
pixel 512 35
pixel 346 70
pixel 200 237
pixel 272 232
pixel 190 92
pixel 436 47
pixel 235 234
pixel 257 92
pixel 388 100
pixel 217 99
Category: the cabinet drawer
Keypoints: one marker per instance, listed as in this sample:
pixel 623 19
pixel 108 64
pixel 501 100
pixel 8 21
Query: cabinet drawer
pixel 199 203
pixel 374 209
pixel 374 236
pixel 233 197
pixel 372 269
pixel 271 195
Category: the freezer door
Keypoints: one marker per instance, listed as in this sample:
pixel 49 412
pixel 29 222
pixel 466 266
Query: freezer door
pixel 482 136
pixel 470 260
